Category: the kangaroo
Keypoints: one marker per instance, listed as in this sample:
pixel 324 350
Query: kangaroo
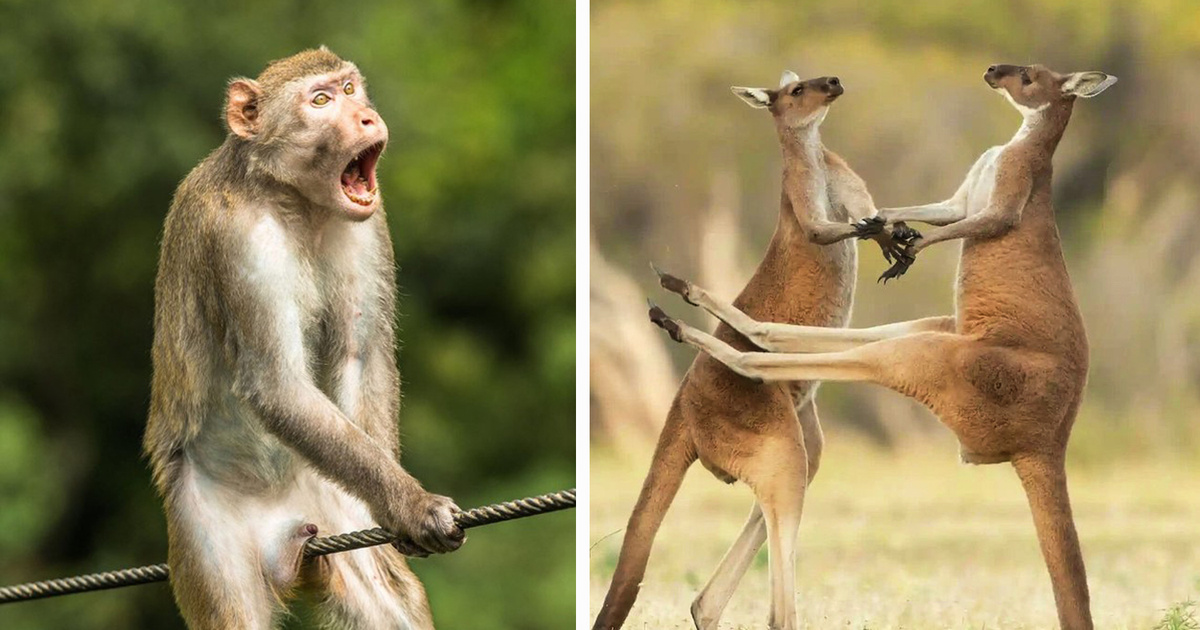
pixel 775 426
pixel 1005 373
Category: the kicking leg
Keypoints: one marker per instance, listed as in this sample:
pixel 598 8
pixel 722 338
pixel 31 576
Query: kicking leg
pixel 1045 482
pixel 775 337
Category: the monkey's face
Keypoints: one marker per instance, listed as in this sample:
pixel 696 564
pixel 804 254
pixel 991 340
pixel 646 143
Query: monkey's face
pixel 348 136
pixel 318 133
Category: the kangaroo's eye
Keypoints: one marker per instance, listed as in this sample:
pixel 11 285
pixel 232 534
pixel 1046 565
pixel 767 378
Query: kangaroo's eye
pixel 797 90
pixel 321 100
pixel 348 88
pixel 1025 80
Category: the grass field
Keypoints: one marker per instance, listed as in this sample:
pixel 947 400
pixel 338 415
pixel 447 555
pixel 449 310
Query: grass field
pixel 916 540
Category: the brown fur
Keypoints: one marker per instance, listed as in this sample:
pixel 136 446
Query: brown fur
pixel 766 435
pixel 276 391
pixel 1007 373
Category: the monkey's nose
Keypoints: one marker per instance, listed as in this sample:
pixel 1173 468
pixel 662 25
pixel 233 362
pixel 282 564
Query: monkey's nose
pixel 369 119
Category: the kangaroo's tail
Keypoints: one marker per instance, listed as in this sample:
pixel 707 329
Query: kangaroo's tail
pixel 672 457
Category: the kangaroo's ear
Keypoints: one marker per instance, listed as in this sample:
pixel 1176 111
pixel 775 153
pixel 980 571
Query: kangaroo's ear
pixel 788 77
pixel 758 98
pixel 1087 84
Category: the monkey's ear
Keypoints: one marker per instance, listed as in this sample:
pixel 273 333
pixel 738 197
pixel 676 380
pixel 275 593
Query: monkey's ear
pixel 241 107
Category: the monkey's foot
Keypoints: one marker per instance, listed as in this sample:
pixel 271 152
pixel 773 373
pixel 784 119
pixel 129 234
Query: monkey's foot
pixel 675 285
pixel 869 227
pixel 659 318
pixel 903 261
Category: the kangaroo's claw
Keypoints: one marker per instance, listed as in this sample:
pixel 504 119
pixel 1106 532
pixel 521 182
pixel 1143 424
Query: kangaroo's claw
pixel 903 262
pixel 664 321
pixel 674 285
pixel 906 235
pixel 869 227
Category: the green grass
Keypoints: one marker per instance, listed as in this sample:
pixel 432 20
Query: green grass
pixel 916 540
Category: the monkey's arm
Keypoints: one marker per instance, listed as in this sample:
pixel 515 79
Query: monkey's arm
pixel 1003 211
pixel 272 375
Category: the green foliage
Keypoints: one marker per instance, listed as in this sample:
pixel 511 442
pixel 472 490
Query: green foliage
pixel 105 106
pixel 1181 616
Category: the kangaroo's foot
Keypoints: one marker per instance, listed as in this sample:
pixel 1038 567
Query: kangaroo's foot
pixel 665 322
pixel 678 286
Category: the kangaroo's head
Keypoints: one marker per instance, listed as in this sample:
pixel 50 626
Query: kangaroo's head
pixel 795 104
pixel 1034 88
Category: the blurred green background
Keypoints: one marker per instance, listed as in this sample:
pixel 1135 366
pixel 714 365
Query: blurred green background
pixel 686 175
pixel 105 106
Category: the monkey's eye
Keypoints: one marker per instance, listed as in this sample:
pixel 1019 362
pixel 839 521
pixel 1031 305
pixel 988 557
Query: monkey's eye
pixel 348 88
pixel 321 99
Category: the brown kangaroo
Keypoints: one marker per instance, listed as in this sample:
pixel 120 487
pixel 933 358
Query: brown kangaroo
pixel 1007 372
pixel 775 425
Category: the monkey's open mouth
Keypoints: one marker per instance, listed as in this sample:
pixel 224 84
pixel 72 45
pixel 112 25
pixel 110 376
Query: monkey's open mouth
pixel 358 179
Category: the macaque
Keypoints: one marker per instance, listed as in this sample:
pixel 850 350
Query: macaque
pixel 274 403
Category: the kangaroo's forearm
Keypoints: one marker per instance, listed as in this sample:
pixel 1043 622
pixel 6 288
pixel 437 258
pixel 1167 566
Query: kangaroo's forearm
pixel 828 232
pixel 982 225
pixel 940 213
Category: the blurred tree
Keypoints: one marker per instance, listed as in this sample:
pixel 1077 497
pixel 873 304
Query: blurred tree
pixel 105 106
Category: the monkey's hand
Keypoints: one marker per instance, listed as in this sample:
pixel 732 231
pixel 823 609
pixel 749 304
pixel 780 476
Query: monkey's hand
pixel 425 524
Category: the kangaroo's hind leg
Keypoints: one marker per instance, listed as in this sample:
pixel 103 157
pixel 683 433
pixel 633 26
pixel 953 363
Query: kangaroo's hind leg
pixel 1045 480
pixel 778 475
pixel 712 600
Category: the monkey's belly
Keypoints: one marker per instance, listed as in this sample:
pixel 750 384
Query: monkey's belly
pixel 234 449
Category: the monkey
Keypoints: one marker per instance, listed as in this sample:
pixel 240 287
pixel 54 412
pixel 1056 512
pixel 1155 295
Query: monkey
pixel 275 391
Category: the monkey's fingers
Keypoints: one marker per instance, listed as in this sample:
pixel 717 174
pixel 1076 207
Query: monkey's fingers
pixel 409 548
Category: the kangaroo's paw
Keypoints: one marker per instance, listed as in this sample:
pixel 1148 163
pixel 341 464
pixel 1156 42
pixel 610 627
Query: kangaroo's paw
pixel 869 227
pixel 903 261
pixel 904 234
pixel 665 322
pixel 675 285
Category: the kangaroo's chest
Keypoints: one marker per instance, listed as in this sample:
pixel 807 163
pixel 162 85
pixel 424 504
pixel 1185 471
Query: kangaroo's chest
pixel 982 180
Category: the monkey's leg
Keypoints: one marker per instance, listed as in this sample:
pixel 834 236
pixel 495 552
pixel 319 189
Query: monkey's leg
pixel 231 562
pixel 367 589
pixel 1045 480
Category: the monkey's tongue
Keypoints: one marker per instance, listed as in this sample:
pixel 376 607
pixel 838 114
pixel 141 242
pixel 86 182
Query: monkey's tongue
pixel 356 185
